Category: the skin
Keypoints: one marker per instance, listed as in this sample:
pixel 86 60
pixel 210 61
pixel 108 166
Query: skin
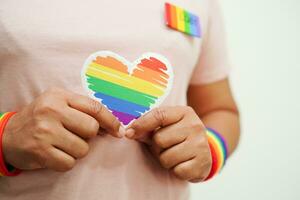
pixel 176 135
pixel 46 133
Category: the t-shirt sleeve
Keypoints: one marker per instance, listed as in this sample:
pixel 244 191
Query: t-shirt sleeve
pixel 213 64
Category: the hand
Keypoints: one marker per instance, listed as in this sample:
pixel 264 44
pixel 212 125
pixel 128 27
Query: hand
pixel 52 131
pixel 177 138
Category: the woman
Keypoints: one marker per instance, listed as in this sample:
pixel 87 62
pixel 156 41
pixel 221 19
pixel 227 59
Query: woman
pixel 53 138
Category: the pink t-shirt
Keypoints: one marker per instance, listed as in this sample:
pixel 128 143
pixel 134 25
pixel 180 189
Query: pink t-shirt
pixel 44 44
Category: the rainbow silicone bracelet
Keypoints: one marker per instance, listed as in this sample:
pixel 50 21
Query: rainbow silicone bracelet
pixel 218 149
pixel 4 169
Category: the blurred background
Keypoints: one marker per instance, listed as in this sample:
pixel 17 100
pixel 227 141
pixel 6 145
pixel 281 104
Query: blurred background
pixel 264 44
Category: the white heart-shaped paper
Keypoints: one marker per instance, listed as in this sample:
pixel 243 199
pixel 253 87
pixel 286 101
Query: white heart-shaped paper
pixel 127 89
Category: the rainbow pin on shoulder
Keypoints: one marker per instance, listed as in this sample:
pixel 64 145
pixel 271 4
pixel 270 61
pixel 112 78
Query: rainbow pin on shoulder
pixel 127 89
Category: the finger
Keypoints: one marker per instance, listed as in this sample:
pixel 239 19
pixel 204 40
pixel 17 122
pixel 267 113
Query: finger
pixel 95 109
pixel 177 154
pixel 80 123
pixel 186 170
pixel 155 150
pixel 59 160
pixel 157 118
pixel 170 135
pixel 70 143
pixel 146 140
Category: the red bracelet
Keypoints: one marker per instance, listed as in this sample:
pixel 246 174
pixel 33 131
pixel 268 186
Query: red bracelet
pixel 4 171
pixel 214 164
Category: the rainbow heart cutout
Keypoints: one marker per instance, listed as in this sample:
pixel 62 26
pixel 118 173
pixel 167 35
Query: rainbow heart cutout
pixel 127 89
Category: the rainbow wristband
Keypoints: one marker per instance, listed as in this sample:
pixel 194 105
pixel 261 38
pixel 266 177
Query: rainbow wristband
pixel 4 169
pixel 218 149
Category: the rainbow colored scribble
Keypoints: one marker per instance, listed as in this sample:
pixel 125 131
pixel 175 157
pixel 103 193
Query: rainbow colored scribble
pixel 127 95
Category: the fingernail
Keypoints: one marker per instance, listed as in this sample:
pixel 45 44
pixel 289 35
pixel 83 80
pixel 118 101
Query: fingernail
pixel 121 131
pixel 130 133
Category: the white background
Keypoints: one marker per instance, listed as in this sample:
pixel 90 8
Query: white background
pixel 264 40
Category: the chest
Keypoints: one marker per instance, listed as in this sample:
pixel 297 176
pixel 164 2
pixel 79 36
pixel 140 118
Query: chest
pixel 59 31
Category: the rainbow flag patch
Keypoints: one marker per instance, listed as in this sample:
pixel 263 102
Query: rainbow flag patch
pixel 179 19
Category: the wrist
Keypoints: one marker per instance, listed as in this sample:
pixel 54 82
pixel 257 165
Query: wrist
pixel 219 151
pixel 5 168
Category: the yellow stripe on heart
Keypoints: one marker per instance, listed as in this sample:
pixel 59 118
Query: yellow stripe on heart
pixel 126 80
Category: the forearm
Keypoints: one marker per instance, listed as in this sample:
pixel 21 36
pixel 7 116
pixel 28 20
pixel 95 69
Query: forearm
pixel 226 122
pixel 215 105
